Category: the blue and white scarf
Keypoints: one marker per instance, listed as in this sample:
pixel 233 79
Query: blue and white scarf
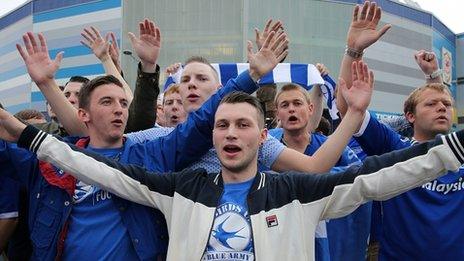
pixel 305 75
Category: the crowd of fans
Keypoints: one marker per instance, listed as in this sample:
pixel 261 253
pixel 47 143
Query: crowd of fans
pixel 210 172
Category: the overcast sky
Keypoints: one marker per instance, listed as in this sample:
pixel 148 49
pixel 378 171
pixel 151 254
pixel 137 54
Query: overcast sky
pixel 448 11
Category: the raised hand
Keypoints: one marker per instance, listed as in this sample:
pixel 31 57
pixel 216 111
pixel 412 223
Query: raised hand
pixel 93 40
pixel 363 29
pixel 274 49
pixel 10 127
pixel 38 63
pixel 114 51
pixel 148 45
pixel 427 61
pixel 277 27
pixel 172 69
pixel 359 95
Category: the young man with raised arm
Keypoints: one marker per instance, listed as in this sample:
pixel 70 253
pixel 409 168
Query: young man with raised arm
pixel 421 224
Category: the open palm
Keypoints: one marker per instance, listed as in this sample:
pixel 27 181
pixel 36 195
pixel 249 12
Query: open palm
pixel 100 46
pixel 363 29
pixel 273 50
pixel 358 96
pixel 38 63
pixel 148 45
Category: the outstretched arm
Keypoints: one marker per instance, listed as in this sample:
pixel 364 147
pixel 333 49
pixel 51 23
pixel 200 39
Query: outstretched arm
pixel 358 98
pixel 42 71
pixel 361 34
pixel 386 176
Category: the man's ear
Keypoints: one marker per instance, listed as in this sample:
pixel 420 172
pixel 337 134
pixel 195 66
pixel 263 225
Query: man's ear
pixel 311 108
pixel 83 115
pixel 263 136
pixel 410 117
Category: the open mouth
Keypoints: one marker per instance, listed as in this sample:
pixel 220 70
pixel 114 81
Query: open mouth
pixel 174 118
pixel 442 118
pixel 232 149
pixel 292 119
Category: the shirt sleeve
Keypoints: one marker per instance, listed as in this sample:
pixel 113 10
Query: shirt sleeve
pixel 270 151
pixel 149 134
pixel 376 138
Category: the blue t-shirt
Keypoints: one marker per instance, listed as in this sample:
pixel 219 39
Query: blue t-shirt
pixel 231 236
pixel 421 224
pixel 9 197
pixel 95 228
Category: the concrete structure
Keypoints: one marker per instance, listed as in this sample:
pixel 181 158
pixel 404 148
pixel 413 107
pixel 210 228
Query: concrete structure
pixel 218 30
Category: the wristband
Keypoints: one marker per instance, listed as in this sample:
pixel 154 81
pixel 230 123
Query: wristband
pixel 353 53
pixel 434 75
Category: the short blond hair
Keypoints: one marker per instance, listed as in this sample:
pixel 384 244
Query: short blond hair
pixel 413 98
pixel 292 87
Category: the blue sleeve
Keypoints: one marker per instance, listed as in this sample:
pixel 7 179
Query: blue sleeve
pixel 378 139
pixel 192 139
pixel 9 197
pixel 276 133
pixel 16 163
pixel 269 152
pixel 149 134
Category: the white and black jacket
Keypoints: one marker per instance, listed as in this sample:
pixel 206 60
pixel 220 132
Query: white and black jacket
pixel 284 209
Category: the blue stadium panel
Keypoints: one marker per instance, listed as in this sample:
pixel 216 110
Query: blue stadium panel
pixel 400 10
pixel 89 7
pixel 16 15
pixel 445 31
pixel 47 5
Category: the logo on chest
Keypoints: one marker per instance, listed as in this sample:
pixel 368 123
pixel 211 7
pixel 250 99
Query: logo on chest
pixel 84 191
pixel 272 221
pixel 231 229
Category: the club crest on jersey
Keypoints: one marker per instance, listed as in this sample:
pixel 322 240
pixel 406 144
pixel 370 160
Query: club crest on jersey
pixel 230 235
pixel 272 221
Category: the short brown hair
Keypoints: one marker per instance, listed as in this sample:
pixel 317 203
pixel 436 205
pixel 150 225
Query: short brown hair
pixel 413 98
pixel 28 114
pixel 241 97
pixel 292 87
pixel 203 60
pixel 89 87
